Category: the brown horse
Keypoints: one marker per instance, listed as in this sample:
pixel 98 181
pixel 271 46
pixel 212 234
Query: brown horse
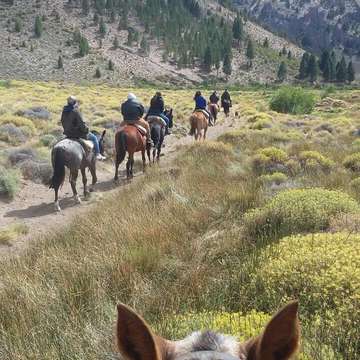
pixel 198 125
pixel 214 110
pixel 278 341
pixel 129 140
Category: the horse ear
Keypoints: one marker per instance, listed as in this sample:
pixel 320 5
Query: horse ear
pixel 103 134
pixel 280 338
pixel 135 339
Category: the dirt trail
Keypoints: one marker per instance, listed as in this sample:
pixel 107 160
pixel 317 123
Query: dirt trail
pixel 34 206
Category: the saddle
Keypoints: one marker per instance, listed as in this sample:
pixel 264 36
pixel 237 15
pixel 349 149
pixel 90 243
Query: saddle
pixel 87 145
pixel 202 111
pixel 156 120
pixel 140 128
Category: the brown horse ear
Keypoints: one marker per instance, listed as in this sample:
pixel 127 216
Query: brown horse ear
pixel 280 338
pixel 135 339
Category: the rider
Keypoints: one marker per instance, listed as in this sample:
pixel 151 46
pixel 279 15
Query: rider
pixel 225 98
pixel 200 104
pixel 75 127
pixel 132 111
pixel 214 98
pixel 157 107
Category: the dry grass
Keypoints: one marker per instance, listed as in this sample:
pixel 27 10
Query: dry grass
pixel 172 243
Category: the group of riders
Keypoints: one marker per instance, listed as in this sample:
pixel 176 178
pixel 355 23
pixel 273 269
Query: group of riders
pixel 133 114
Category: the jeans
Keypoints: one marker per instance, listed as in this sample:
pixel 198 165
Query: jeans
pixel 95 140
pixel 166 119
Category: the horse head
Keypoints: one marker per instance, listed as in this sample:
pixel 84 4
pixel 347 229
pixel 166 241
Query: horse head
pixel 102 143
pixel 278 341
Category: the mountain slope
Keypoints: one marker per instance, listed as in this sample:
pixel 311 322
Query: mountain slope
pixel 25 56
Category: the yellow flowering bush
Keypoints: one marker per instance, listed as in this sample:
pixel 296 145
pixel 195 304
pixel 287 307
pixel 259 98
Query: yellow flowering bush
pixel 276 178
pixel 242 326
pixel 298 210
pixel 260 116
pixel 323 272
pixel 313 161
pixel 352 162
pixel 269 159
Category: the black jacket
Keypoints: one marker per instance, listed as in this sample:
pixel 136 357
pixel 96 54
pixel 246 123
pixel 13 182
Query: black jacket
pixel 73 123
pixel 214 99
pixel 157 106
pixel 132 110
pixel 225 96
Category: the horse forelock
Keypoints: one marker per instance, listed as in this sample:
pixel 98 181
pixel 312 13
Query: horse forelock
pixel 207 341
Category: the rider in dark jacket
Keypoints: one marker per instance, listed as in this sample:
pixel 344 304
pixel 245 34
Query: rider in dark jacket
pixel 214 98
pixel 157 107
pixel 225 97
pixel 75 126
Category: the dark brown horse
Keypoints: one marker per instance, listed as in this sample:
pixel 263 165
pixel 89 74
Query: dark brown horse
pixel 129 140
pixel 198 125
pixel 214 110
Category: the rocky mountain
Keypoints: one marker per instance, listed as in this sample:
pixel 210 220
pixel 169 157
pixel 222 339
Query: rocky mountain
pixel 314 24
pixel 126 44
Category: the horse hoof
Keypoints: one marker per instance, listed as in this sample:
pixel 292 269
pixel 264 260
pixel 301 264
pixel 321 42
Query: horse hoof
pixel 57 207
pixel 77 199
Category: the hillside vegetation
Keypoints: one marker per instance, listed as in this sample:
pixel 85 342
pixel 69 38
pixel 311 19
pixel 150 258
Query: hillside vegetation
pixel 220 238
pixel 123 42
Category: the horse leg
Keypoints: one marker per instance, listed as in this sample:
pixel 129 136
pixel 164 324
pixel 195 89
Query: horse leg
pixel 143 160
pixel 205 131
pixel 129 166
pixel 56 203
pixel 73 177
pixel 84 180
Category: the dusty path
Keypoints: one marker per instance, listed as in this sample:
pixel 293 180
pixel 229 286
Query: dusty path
pixel 33 206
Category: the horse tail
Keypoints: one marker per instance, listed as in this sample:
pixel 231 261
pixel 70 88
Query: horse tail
pixel 59 168
pixel 155 135
pixel 193 121
pixel 121 147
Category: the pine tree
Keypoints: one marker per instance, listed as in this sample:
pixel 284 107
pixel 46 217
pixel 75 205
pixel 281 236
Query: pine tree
pixel 102 27
pixel 84 47
pixel 333 62
pixel 38 26
pixel 111 65
pixel 284 51
pixel 282 72
pixel 324 60
pixel 18 25
pixel 144 45
pixel 238 28
pixel 304 65
pixel 327 66
pixel 250 53
pixel 85 6
pixel 350 72
pixel 207 59
pixel 266 43
pixel 341 71
pixel 60 63
pixel 313 68
pixel 289 55
pixel 96 18
pixel 116 43
pixel 227 69
pixel 98 73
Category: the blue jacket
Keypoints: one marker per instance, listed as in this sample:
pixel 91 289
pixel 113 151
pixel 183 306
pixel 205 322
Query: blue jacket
pixel 200 102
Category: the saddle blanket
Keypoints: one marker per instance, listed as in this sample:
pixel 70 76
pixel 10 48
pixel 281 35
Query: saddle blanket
pixel 156 120
pixel 202 111
pixel 141 129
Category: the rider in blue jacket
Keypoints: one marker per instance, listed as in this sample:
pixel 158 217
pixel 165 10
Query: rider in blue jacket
pixel 201 104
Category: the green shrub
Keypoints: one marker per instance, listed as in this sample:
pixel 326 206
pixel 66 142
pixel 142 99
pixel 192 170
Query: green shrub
pixel 293 100
pixel 276 178
pixel 297 210
pixel 355 184
pixel 269 159
pixel 9 182
pixel 48 140
pixel 322 271
pixel 259 116
pixel 12 232
pixel 352 162
pixel 261 124
pixel 313 161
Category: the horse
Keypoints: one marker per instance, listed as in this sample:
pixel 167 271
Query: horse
pixel 129 140
pixel 70 153
pixel 278 341
pixel 157 130
pixel 198 125
pixel 169 114
pixel 214 110
pixel 226 104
